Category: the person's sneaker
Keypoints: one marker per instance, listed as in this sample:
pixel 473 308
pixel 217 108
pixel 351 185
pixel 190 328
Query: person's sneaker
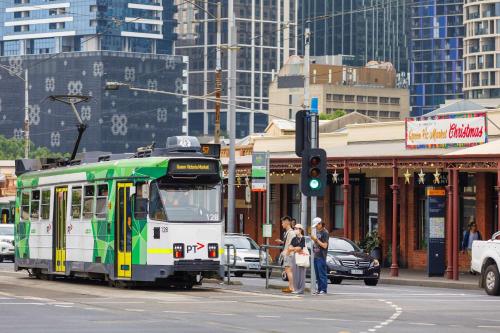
pixel 322 292
pixel 315 293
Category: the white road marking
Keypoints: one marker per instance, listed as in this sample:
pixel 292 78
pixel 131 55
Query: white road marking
pixel 263 316
pixel 394 316
pixel 422 324
pixel 199 302
pixel 63 306
pixel 113 302
pixel 496 327
pixel 23 303
pixel 135 310
pixel 221 314
pixel 39 299
pixel 177 312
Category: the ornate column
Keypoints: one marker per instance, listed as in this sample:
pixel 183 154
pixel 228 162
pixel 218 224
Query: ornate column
pixel 347 227
pixel 456 228
pixel 497 188
pixel 395 188
pixel 449 226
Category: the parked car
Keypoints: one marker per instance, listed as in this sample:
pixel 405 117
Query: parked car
pixel 248 258
pixel 6 242
pixel 345 260
pixel 486 261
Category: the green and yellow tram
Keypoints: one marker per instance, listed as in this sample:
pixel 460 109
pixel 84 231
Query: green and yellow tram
pixel 153 216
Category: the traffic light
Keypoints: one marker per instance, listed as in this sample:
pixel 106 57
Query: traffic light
pixel 313 173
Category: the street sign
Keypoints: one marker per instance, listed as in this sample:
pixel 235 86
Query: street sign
pixel 314 105
pixel 259 172
pixel 267 230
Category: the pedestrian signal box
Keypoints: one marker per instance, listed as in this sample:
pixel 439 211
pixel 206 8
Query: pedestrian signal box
pixel 313 173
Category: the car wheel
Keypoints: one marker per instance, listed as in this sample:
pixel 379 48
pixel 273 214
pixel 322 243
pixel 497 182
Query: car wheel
pixel 492 280
pixel 336 280
pixel 284 277
pixel 371 282
pixel 238 274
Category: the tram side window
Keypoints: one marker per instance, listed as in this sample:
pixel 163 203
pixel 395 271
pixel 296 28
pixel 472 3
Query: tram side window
pixel 35 204
pixel 141 202
pixel 45 204
pixel 102 199
pixel 156 210
pixel 25 206
pixel 88 202
pixel 76 203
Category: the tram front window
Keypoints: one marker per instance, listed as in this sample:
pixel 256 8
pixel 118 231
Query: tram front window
pixel 190 203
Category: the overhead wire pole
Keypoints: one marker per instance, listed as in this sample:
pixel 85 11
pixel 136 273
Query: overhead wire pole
pixel 218 76
pixel 231 91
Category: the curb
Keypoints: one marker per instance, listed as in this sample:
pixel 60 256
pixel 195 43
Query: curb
pixel 232 283
pixel 432 284
pixel 278 287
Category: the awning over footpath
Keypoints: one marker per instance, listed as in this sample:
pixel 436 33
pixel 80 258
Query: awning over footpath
pixel 490 148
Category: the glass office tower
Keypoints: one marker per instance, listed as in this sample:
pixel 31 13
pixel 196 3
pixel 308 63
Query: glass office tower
pixel 366 29
pixel 40 26
pixel 436 52
pixel 265 38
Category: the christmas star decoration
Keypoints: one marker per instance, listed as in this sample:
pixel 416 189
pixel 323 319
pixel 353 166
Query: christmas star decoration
pixel 421 177
pixel 407 175
pixel 335 176
pixel 437 175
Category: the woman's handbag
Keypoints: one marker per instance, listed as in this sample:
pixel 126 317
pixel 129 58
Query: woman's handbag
pixel 303 259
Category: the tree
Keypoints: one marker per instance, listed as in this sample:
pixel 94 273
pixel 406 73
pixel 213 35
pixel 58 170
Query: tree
pixel 331 116
pixel 11 149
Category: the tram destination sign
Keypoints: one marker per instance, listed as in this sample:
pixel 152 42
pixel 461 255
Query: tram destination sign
pixel 443 131
pixel 184 167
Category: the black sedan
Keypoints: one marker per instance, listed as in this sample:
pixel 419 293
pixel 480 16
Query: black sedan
pixel 346 260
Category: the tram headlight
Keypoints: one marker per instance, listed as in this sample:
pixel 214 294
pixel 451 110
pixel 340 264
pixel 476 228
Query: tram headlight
pixel 213 250
pixel 178 250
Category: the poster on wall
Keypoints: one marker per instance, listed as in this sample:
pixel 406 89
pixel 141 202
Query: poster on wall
pixel 457 130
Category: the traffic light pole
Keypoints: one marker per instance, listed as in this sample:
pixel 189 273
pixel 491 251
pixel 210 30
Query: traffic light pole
pixel 314 142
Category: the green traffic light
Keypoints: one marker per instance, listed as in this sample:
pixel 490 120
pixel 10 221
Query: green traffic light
pixel 314 184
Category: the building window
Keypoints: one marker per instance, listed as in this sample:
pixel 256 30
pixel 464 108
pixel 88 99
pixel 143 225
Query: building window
pixel 58 25
pixel 338 98
pixel 349 98
pixel 384 100
pixel 290 113
pixel 372 113
pixel 21 14
pixel 294 196
pixel 371 203
pixel 467 184
pixel 394 101
pixel 394 115
pixel 372 99
pixel 361 99
pixel 384 114
pixel 21 28
pixel 329 97
pixel 338 206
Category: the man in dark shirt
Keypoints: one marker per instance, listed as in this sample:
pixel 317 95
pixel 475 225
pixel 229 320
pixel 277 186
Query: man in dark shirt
pixel 320 249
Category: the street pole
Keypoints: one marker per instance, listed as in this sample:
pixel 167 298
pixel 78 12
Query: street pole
pixel 314 138
pixel 231 90
pixel 26 116
pixel 218 76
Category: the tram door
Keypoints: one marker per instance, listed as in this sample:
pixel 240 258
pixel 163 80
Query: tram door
pixel 60 209
pixel 123 231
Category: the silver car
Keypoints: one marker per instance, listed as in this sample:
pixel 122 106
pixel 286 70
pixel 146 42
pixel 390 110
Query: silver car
pixel 6 242
pixel 248 259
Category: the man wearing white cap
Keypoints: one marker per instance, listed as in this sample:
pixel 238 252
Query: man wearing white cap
pixel 320 249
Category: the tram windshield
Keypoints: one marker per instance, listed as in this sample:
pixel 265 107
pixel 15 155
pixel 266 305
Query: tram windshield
pixel 186 203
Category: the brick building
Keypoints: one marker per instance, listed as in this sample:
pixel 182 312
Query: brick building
pixel 376 183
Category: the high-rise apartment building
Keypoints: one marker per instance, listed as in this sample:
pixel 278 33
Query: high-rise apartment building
pixel 41 26
pixel 265 39
pixel 366 29
pixel 437 33
pixel 482 49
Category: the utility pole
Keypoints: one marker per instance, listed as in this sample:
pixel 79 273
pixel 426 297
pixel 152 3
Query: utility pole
pixel 314 138
pixel 218 76
pixel 231 91
pixel 26 116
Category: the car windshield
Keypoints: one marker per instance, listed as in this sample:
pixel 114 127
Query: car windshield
pixel 7 231
pixel 190 203
pixel 342 245
pixel 242 243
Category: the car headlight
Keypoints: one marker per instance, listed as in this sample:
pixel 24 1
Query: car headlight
pixel 375 263
pixel 332 260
